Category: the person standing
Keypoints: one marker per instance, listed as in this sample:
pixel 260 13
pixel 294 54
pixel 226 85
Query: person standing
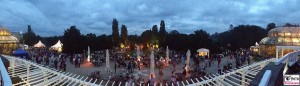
pixel 160 74
pixel 47 60
pixel 131 67
pixel 55 63
pixel 115 67
pixel 219 70
pixel 174 65
pixel 219 60
pixel 73 59
pixel 65 66
pixel 138 64
pixel 151 80
pixel 78 62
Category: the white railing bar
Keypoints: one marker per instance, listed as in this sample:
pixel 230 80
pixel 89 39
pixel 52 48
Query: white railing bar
pixel 231 81
pixel 107 83
pixel 120 83
pixel 101 82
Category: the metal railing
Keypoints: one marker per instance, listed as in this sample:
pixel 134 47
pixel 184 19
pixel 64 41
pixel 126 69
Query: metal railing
pixel 265 79
pixel 28 72
pixel 4 77
pixel 290 58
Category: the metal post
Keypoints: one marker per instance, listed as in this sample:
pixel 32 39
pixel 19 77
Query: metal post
pixel 282 52
pixel 276 53
pixel 218 82
pixel 243 78
pixel 13 66
pixel 45 75
pixel 27 81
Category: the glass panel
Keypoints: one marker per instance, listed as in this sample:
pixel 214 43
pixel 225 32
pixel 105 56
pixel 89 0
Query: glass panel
pixel 295 40
pixel 287 40
pixel 281 34
pixel 288 34
pixel 280 40
pixel 294 35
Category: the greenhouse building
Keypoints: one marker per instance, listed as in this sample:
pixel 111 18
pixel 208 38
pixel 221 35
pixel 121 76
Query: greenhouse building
pixel 8 43
pixel 280 41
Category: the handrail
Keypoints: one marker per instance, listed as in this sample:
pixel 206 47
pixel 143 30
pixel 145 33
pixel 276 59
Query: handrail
pixel 71 78
pixel 293 56
pixel 265 79
pixel 5 79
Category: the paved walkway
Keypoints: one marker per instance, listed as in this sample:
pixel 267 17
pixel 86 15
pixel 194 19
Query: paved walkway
pixel 87 69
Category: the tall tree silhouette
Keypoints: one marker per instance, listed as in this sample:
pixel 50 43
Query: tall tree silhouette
pixel 162 34
pixel 72 41
pixel 30 37
pixel 115 33
pixel 124 35
pixel 154 35
pixel 270 26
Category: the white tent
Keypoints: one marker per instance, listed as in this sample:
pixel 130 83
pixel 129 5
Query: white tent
pixel 203 52
pixel 57 46
pixel 255 49
pixel 39 44
pixel 256 44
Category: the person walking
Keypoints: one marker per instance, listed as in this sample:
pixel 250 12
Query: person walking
pixel 64 66
pixel 138 64
pixel 174 65
pixel 219 70
pixel 47 60
pixel 115 67
pixel 55 63
pixel 79 61
pixel 131 67
pixel 151 80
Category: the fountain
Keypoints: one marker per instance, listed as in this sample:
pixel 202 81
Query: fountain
pixel 167 56
pixel 88 63
pixel 187 62
pixel 107 61
pixel 152 64
pixel 138 52
pixel 89 54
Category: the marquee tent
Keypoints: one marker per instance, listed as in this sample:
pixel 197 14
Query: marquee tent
pixel 203 52
pixel 57 46
pixel 20 52
pixel 39 44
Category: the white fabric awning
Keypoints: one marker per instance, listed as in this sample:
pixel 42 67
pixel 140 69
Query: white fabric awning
pixel 57 45
pixel 202 50
pixel 39 44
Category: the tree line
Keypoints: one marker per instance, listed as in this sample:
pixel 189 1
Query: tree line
pixel 236 37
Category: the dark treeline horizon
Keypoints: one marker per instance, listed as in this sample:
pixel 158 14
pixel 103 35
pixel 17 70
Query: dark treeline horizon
pixel 236 37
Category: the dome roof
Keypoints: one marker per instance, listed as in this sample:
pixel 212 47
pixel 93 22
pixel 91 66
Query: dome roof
pixel 283 36
pixel 4 31
pixel 5 36
pixel 285 32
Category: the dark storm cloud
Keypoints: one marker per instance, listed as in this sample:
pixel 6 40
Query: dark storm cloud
pixel 52 17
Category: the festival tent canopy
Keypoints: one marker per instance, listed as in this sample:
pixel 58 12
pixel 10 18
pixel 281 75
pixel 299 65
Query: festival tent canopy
pixel 57 45
pixel 39 44
pixel 203 52
pixel 20 52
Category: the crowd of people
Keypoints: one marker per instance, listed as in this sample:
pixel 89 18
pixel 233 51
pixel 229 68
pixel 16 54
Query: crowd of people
pixel 129 64
pixel 47 57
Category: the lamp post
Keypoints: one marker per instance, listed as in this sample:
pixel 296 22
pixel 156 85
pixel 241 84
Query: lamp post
pixel 21 36
pixel 21 39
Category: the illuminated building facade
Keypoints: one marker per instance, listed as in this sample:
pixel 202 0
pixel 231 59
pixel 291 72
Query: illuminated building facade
pixel 280 41
pixel 8 43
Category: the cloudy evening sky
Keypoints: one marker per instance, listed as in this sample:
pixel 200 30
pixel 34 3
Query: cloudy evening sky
pixel 52 17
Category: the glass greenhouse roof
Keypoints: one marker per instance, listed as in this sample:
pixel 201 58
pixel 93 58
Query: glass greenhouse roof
pixel 283 36
pixel 5 36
